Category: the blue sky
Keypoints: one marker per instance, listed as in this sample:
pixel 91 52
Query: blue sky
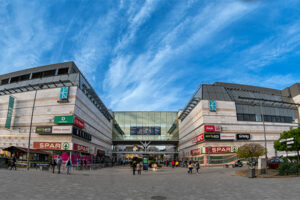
pixel 153 55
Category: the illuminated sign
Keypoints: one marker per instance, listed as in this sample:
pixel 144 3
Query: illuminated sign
pixel 243 136
pixel 211 136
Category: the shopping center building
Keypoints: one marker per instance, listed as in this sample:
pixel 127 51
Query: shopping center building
pixel 56 107
pixel 221 117
pixel 60 109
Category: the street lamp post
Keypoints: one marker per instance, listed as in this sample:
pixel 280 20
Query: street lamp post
pixel 30 129
pixel 263 171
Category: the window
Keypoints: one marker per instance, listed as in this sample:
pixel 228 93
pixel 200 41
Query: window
pixel 49 73
pixel 4 81
pixel 24 77
pixel 14 79
pixel 258 118
pixel 37 75
pixel 63 71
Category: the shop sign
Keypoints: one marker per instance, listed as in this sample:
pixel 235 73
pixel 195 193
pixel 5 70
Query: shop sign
pixel 212 106
pixel 43 129
pixel 218 128
pixel 211 136
pixel 209 128
pixel 63 119
pixel 243 136
pixel 62 129
pixel 78 122
pixel 47 145
pixel 80 148
pixel 227 136
pixel 196 151
pixel 66 146
pixel 218 149
pixel 199 138
pixel 11 102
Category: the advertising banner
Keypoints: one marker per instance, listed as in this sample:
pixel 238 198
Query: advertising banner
pixel 145 130
pixel 48 145
pixel 199 138
pixel 62 129
pixel 243 136
pixel 9 112
pixel 43 130
pixel 80 148
pixel 63 119
pixel 212 136
pixel 218 149
pixel 196 151
pixel 78 122
pixel 209 128
pixel 227 136
pixel 212 106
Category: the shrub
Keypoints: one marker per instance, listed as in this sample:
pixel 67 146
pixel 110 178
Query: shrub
pixel 287 168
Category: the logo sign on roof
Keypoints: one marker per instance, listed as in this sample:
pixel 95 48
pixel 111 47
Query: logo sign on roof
pixel 64 93
pixel 212 106
pixel 63 119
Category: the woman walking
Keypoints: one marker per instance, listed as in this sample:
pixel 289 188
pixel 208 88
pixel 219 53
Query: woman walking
pixel 190 166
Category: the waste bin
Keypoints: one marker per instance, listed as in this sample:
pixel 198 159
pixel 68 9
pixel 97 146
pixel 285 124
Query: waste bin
pixel 251 173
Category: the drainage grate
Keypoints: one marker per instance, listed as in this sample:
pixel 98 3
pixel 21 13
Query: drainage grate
pixel 158 198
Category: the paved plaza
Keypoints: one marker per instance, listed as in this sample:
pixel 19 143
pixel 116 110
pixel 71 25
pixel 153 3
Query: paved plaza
pixel 119 183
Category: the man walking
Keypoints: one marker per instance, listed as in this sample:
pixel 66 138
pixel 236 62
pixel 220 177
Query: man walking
pixel 69 165
pixel 134 166
pixel 13 163
pixel 53 163
pixel 197 166
pixel 58 162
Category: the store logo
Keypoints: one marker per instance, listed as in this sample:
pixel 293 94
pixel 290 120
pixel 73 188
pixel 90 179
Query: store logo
pixel 66 146
pixel 64 93
pixel 212 106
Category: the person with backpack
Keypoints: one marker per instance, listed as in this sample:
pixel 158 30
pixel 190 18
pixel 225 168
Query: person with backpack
pixel 69 165
pixel 190 166
pixel 53 164
pixel 197 166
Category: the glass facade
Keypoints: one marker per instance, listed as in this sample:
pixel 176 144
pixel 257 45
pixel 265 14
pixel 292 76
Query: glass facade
pixel 148 125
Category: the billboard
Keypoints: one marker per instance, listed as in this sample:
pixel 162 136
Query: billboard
pixel 9 112
pixel 62 129
pixel 134 130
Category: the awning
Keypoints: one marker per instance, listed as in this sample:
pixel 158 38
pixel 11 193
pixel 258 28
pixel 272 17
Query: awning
pixel 24 150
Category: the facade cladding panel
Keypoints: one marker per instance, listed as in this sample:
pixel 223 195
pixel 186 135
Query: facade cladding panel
pixel 145 125
pixel 46 82
pixel 240 109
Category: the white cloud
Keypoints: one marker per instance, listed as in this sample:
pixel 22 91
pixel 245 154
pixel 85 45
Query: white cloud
pixel 24 35
pixel 144 82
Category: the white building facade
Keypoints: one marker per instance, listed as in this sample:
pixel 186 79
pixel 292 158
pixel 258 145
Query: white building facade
pixel 222 117
pixel 60 108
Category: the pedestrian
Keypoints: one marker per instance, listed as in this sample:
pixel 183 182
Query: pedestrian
pixel 190 166
pixel 77 163
pixel 13 163
pixel 81 164
pixel 69 165
pixel 53 164
pixel 134 166
pixel 197 166
pixel 85 163
pixel 176 163
pixel 58 162
pixel 139 168
pixel 173 163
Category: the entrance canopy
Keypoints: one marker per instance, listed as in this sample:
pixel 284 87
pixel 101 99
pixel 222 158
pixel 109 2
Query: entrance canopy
pixel 14 149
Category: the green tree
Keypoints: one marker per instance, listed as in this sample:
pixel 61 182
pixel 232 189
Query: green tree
pixel 293 133
pixel 251 151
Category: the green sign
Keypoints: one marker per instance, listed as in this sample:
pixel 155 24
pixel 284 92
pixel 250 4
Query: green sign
pixel 66 146
pixel 64 93
pixel 9 112
pixel 234 149
pixel 63 119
